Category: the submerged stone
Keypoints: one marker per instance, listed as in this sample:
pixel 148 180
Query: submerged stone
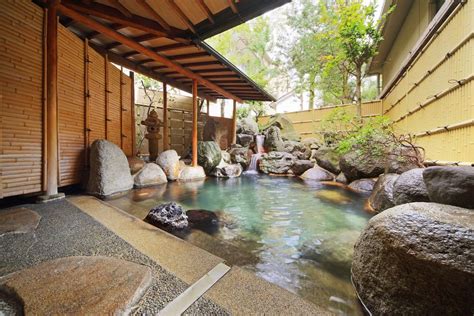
pixel 333 196
pixel 168 216
pixel 203 220
pixel 79 285
pixel 317 174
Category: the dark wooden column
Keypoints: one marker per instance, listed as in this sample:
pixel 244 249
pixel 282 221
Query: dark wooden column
pixel 166 144
pixel 51 99
pixel 234 122
pixel 207 106
pixel 195 123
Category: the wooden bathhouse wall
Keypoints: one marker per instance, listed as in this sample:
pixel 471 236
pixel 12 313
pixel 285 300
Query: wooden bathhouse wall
pixel 89 106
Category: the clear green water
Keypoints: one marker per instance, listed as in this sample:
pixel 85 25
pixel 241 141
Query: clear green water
pixel 298 235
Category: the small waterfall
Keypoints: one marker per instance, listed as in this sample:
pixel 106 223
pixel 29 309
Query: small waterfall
pixel 260 140
pixel 252 169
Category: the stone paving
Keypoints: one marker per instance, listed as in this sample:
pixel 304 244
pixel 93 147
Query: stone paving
pixel 65 231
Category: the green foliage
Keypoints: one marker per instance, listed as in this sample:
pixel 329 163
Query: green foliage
pixel 347 132
pixel 246 46
pixel 256 107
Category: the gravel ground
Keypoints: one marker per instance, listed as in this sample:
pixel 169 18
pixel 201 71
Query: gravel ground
pixel 66 231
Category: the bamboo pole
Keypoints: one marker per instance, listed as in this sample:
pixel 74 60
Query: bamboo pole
pixel 51 99
pixel 234 122
pixel 132 112
pixel 106 86
pixel 86 102
pixel 195 123
pixel 165 118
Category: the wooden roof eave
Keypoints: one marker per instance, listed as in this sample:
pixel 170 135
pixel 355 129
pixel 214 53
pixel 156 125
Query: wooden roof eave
pixel 93 24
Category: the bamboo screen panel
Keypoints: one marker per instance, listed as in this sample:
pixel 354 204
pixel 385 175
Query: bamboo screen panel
pixel 96 96
pixel 434 99
pixel 70 107
pixel 308 123
pixel 127 121
pixel 114 108
pixel 21 71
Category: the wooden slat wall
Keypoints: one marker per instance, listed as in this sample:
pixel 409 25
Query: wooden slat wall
pixel 113 115
pixel 127 120
pixel 97 96
pixel 21 72
pixel 70 107
pixel 21 82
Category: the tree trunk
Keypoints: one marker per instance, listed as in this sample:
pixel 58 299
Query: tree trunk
pixel 222 108
pixel 312 93
pixel 359 92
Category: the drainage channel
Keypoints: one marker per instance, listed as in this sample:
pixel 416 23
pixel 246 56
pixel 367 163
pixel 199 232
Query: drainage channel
pixel 181 303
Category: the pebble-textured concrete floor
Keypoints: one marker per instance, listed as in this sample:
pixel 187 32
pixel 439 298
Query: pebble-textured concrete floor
pixel 65 231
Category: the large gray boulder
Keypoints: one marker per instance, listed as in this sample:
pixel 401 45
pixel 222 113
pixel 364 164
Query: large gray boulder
pixel 190 173
pixel 109 170
pixel 226 170
pixel 410 187
pixel 358 164
pixel 450 185
pixel 297 149
pixel 276 162
pixel 245 139
pixel 328 159
pixel 241 156
pixel 362 185
pixel 417 259
pixel 209 155
pixel 168 216
pixel 247 126
pixel 169 162
pixel 150 174
pixel 273 140
pixel 382 193
pixel 300 166
pixel 284 124
pixel 317 174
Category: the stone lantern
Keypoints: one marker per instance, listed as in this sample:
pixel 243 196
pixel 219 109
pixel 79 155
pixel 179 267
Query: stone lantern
pixel 153 124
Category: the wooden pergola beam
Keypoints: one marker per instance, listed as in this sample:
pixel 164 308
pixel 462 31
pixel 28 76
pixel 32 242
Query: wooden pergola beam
pixel 188 56
pixel 115 16
pixel 145 5
pixel 114 26
pixel 206 10
pixel 93 24
pixel 177 10
pixel 119 60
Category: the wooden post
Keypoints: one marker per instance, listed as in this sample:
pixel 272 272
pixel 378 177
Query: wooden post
pixel 165 118
pixel 207 107
pixel 122 109
pixel 234 123
pixel 51 99
pixel 195 123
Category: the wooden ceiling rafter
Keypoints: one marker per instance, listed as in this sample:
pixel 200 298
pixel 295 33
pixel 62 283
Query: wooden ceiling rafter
pixel 120 7
pixel 115 16
pixel 97 26
pixel 138 39
pixel 158 49
pixel 114 26
pixel 145 5
pixel 180 14
pixel 206 10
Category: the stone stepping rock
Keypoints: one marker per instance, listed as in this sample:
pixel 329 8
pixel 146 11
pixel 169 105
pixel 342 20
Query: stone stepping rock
pixel 18 220
pixel 79 285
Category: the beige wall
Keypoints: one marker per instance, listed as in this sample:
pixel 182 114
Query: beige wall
pixel 428 98
pixel 413 27
pixel 308 123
